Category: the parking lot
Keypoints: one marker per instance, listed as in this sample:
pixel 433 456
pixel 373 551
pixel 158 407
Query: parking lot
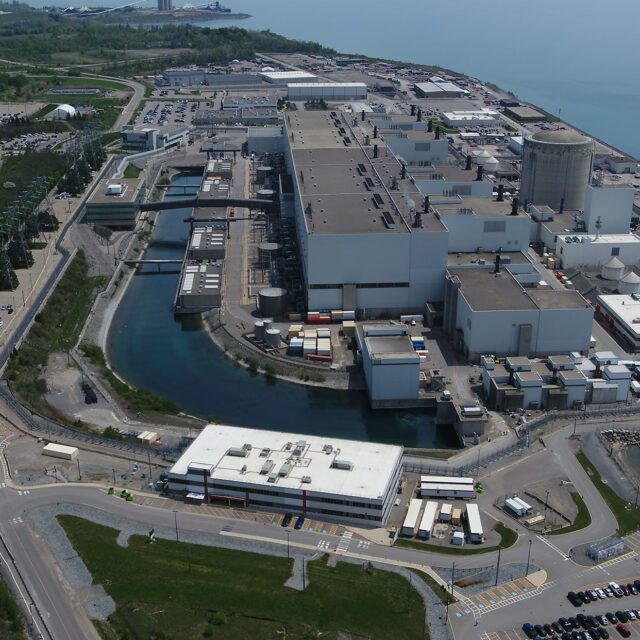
pixel 167 113
pixel 31 141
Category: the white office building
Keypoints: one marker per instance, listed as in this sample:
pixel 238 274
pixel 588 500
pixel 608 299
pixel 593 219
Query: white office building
pixel 473 118
pixel 324 477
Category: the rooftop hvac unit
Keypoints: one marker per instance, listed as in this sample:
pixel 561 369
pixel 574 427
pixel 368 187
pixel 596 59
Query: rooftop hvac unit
pixel 328 448
pixel 285 470
pixel 306 479
pixel 273 477
pixel 237 452
pixel 267 467
pixel 265 452
pixel 114 189
pixel 342 464
pixel 635 321
pixel 244 469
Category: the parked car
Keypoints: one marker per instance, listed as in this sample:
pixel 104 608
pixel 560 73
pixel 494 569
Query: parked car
pixel 623 630
pixel 299 522
pixel 286 521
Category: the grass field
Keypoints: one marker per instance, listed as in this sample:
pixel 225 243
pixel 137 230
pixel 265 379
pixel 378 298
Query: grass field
pixel 628 518
pixel 583 519
pixel 187 592
pixel 132 171
pixel 56 328
pixel 508 538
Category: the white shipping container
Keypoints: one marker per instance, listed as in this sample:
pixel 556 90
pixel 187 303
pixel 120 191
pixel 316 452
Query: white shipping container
pixel 411 520
pixel 445 512
pixel 476 534
pixel 428 519
pixel 60 451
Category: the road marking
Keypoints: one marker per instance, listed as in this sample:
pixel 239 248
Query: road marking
pixel 565 557
pixel 345 541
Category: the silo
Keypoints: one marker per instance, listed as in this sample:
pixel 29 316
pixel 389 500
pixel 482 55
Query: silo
pixel 629 284
pixel 258 330
pixel 613 270
pixel 272 337
pixel 556 166
pixel 272 301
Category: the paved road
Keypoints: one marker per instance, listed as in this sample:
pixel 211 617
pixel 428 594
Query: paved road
pixel 66 619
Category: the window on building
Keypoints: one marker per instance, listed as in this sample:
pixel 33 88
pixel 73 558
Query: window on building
pixel 615 251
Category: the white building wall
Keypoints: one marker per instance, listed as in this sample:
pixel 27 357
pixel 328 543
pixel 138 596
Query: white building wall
pixel 467 233
pixel 394 382
pixel 596 253
pixel 482 189
pixel 563 330
pixel 418 152
pixel 612 205
pixel 575 393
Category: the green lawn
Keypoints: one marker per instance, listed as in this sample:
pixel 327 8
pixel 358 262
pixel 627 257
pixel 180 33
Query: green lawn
pixel 583 519
pixel 187 592
pixel 508 538
pixel 11 624
pixel 628 518
pixel 132 171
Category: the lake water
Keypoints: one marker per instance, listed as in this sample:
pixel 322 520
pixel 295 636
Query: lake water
pixel 150 348
pixel 576 58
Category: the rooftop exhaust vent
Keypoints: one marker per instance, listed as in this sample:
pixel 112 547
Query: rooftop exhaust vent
pixel 388 220
pixel 377 200
pixel 344 465
pixel 306 479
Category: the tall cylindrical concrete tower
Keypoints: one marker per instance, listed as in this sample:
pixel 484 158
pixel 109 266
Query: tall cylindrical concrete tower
pixel 556 168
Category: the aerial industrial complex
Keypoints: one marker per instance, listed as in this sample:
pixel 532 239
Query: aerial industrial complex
pixel 468 262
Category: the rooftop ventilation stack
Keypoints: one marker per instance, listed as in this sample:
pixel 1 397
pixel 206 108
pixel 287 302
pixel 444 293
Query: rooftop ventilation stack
pixel 375 151
pixel 426 204
pixel 403 171
pixel 419 116
pixel 417 220
pixel 430 126
pixel 362 115
pixel 561 209
pixel 479 173
pixel 500 197
pixel 514 207
pixel 375 132
pixel 437 133
pixel 468 165
pixel 497 267
pixel 413 109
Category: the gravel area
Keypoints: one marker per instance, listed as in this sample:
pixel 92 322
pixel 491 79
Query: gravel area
pixel 485 577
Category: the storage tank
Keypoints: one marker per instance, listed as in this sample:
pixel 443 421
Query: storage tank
pixel 556 166
pixel 258 330
pixel 272 337
pixel 262 174
pixel 629 284
pixel 267 251
pixel 266 194
pixel 613 270
pixel 272 301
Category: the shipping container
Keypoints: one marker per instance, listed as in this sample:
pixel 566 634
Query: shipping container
pixel 456 516
pixel 60 451
pixel 474 524
pixel 446 511
pixel 411 520
pixel 428 519
pixel 446 480
pixel 460 491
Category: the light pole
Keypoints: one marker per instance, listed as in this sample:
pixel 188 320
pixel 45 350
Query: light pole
pixel 288 553
pixel 529 557
pixel 175 518
pixel 546 502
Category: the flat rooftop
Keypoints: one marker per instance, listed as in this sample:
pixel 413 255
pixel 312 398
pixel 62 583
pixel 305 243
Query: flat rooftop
pixel 473 259
pixel 484 292
pixel 200 279
pixel 390 349
pixel 343 187
pixel 626 309
pixel 129 190
pixel 372 464
pixel 481 207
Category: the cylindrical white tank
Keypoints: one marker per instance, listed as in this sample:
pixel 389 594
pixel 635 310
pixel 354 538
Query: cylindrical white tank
pixel 629 284
pixel 556 166
pixel 272 337
pixel 613 270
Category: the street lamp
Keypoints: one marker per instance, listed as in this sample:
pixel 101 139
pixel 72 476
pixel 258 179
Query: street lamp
pixel 288 553
pixel 175 518
pixel 529 557
pixel 546 502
